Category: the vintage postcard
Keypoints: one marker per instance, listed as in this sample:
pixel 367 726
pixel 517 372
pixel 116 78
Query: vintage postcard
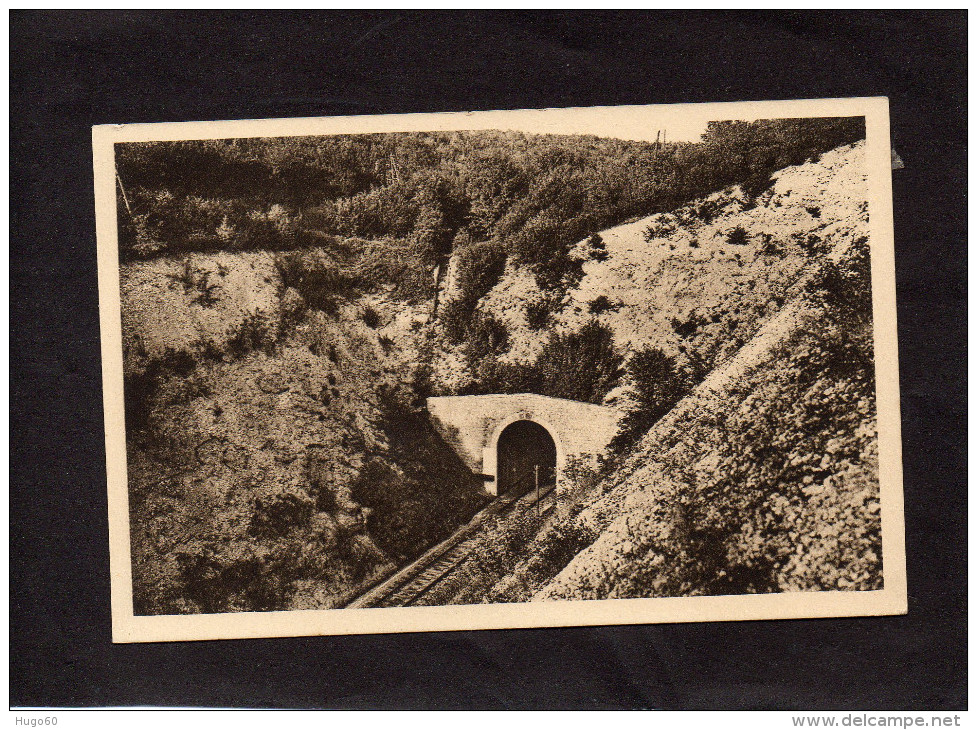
pixel 557 367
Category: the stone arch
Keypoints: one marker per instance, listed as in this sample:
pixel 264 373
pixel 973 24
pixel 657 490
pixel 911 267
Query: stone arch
pixel 490 463
pixel 472 425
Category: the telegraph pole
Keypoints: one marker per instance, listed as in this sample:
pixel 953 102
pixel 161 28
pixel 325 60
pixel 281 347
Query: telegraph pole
pixel 125 199
pixel 536 469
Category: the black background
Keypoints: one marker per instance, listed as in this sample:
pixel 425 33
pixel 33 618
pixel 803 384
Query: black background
pixel 72 70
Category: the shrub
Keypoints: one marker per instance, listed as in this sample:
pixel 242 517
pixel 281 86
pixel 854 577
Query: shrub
pixel 602 304
pixel 689 326
pixel 657 385
pixel 492 376
pixel 737 237
pixel 196 283
pixel 770 247
pixel 318 278
pixel 506 541
pixel 278 515
pixel 254 333
pixel 421 382
pixel 371 317
pixel 582 365
pixel 485 336
pixel 537 314
pixel 598 250
pixel 812 245
pixel 657 230
pixel 171 221
pixel 272 228
pixel 374 265
pixel 707 210
pixel 478 268
pixel 558 545
pixel 543 243
pixel 454 318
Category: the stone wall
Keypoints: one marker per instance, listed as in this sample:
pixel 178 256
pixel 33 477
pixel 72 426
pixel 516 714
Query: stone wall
pixel 471 424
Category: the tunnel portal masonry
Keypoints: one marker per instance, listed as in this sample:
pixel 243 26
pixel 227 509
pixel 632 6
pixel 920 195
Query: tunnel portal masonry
pixel 472 425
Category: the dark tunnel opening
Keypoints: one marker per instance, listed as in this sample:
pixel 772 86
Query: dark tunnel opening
pixel 523 447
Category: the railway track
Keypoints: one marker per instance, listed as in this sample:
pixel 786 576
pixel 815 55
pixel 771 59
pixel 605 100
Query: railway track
pixel 410 584
pixel 433 574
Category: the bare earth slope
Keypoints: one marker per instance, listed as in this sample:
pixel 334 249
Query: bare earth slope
pixel 764 479
pixel 687 289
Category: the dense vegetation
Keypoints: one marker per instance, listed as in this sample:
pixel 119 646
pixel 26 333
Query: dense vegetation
pixel 428 194
pixel 658 384
pixel 418 488
pixel 581 365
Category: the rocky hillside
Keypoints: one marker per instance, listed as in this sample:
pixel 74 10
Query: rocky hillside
pixel 765 477
pixel 275 459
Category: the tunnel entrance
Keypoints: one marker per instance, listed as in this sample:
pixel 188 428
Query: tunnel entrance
pixel 523 446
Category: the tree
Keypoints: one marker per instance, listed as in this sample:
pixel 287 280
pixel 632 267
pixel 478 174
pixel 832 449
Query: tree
pixel 656 381
pixel 581 365
pixel 432 231
pixel 598 249
pixel 657 384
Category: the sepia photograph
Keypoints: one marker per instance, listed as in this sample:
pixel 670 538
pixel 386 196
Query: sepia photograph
pixel 500 369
